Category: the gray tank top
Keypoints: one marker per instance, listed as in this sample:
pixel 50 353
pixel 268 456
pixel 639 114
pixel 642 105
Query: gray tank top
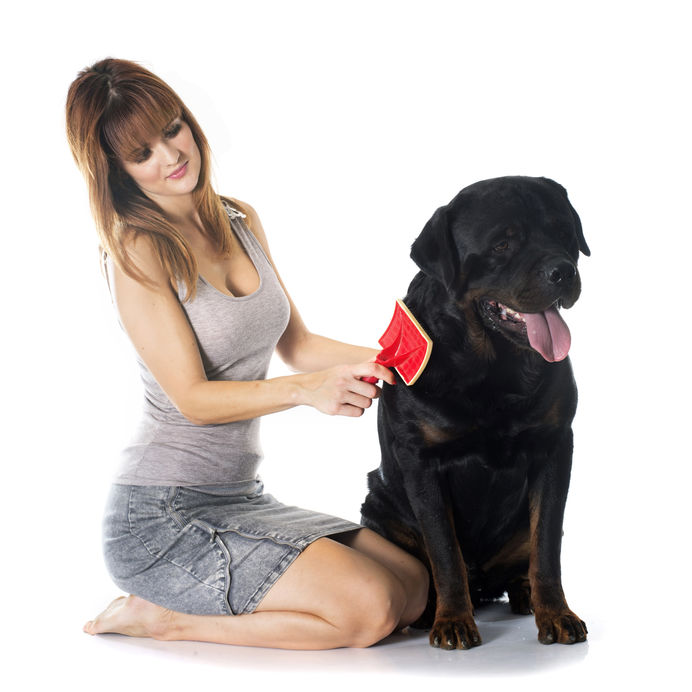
pixel 236 338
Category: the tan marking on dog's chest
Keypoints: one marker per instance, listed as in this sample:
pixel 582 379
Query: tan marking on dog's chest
pixel 477 335
pixel 553 415
pixel 434 435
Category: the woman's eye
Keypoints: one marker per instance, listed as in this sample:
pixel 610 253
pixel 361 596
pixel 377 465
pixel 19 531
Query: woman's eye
pixel 142 156
pixel 501 246
pixel 173 131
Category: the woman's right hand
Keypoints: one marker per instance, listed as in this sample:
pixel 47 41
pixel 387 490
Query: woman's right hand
pixel 340 391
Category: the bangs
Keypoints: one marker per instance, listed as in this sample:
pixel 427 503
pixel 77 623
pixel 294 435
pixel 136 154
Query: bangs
pixel 135 115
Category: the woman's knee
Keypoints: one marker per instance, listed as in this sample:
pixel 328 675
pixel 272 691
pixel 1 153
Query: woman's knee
pixel 409 569
pixel 421 586
pixel 375 611
pixel 357 595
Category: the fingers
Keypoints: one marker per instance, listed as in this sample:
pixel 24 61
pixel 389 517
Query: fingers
pixel 362 401
pixel 350 411
pixel 376 370
pixel 352 395
pixel 343 392
pixel 360 393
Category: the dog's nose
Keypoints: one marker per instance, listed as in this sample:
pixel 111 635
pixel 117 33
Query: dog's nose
pixel 560 272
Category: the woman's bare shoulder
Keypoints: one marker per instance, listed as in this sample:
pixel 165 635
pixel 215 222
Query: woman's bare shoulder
pixel 252 221
pixel 141 257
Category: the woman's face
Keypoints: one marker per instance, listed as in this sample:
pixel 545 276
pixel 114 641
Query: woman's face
pixel 168 165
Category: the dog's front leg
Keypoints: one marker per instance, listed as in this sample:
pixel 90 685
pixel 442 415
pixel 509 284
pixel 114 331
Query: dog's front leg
pixel 454 626
pixel 547 497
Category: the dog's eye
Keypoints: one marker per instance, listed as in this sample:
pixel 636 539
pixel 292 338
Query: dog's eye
pixel 501 246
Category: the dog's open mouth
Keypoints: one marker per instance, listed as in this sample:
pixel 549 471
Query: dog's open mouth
pixel 546 331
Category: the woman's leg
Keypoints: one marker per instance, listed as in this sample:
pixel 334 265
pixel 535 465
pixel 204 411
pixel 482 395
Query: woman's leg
pixel 331 596
pixel 410 571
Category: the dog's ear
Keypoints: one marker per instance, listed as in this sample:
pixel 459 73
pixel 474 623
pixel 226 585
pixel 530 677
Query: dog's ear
pixel 577 221
pixel 580 233
pixel 434 250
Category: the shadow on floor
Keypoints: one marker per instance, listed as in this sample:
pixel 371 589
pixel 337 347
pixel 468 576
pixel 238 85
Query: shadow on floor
pixel 510 647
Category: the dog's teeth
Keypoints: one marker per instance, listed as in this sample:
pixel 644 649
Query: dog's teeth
pixel 506 313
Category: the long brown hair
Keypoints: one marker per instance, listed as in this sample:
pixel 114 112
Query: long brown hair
pixel 111 108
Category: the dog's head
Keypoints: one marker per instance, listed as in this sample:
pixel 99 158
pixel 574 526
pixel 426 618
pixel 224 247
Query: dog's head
pixel 506 251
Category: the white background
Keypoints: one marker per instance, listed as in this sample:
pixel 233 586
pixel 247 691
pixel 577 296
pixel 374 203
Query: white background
pixel 345 125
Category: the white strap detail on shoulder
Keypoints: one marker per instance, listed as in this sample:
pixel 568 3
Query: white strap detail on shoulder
pixel 233 213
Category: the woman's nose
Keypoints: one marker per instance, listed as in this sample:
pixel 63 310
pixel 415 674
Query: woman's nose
pixel 169 153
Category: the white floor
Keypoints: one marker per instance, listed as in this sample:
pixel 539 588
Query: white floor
pixel 510 658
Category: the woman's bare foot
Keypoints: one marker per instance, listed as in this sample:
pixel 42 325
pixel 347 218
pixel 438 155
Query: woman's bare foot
pixel 134 617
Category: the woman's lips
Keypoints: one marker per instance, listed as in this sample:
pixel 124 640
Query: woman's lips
pixel 179 172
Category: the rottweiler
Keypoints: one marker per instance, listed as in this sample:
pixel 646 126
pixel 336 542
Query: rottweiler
pixel 477 454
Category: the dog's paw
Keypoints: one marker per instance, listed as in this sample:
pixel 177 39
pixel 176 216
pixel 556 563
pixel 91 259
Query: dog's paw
pixel 561 627
pixel 455 633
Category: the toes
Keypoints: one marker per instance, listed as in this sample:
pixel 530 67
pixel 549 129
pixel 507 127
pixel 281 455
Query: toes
pixel 571 630
pixel 469 637
pixel 563 628
pixel 455 634
pixel 546 636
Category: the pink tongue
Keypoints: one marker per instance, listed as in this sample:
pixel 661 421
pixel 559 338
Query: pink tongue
pixel 548 334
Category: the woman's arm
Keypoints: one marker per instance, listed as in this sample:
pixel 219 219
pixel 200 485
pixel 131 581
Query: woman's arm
pixel 298 347
pixel 310 352
pixel 158 328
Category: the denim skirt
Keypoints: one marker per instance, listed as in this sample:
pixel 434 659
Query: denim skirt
pixel 206 550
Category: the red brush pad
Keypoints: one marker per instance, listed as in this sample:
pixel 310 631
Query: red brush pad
pixel 405 346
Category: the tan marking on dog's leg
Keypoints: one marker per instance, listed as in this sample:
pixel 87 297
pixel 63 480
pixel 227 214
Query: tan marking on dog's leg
pixel 516 550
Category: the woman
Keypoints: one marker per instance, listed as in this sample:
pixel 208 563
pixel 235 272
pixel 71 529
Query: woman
pixel 188 530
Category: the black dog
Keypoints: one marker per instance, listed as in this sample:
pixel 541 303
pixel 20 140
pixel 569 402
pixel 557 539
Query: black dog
pixel 476 455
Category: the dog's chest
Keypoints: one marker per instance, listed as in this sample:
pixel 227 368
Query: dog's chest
pixel 487 429
pixel 504 444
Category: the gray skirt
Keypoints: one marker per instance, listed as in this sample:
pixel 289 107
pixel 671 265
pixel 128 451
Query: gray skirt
pixel 206 550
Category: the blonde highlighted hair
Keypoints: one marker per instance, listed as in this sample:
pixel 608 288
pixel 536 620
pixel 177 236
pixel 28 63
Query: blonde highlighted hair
pixel 112 107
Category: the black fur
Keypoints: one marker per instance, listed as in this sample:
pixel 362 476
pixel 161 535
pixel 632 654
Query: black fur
pixel 476 455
